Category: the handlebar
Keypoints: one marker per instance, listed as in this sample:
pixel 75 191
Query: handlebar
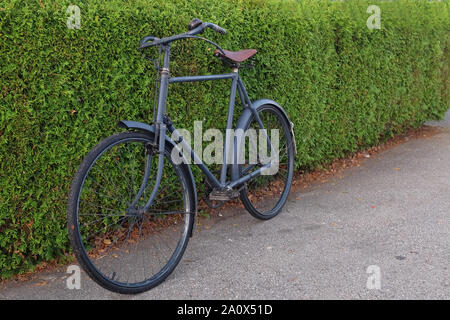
pixel 146 39
pixel 195 27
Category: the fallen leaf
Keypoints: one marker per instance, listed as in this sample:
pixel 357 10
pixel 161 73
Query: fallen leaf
pixel 41 284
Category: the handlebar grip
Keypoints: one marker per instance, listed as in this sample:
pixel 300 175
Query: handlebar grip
pixel 218 29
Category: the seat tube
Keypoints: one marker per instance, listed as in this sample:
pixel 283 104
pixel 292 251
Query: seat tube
pixel 228 136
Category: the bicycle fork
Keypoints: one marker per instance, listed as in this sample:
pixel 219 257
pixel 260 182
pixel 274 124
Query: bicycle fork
pixel 160 140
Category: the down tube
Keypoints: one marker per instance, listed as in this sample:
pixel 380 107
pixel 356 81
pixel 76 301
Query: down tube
pixel 196 160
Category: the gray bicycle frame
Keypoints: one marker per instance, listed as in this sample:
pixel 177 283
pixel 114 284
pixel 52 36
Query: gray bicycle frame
pixel 161 128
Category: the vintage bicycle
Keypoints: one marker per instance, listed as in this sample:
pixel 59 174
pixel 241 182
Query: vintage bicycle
pixel 132 207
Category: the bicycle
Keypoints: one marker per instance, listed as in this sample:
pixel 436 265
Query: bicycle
pixel 131 207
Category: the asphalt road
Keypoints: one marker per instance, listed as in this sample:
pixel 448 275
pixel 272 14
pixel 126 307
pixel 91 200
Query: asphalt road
pixel 391 214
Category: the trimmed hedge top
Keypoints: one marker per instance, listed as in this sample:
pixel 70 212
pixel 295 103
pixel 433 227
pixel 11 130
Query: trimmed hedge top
pixel 344 86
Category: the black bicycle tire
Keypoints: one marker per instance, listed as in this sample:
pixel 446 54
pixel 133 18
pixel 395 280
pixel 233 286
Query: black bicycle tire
pixel 280 204
pixel 73 227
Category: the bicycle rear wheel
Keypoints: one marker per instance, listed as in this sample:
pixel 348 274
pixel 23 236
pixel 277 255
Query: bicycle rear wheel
pixel 123 250
pixel 264 196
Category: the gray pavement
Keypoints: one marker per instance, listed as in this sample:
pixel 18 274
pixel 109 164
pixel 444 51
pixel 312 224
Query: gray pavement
pixel 391 213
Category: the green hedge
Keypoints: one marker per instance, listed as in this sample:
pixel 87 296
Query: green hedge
pixel 344 86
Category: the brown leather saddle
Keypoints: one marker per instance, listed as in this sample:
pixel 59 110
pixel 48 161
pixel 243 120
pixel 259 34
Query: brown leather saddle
pixel 235 57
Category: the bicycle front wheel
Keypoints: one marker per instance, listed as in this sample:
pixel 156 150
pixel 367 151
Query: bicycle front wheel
pixel 125 250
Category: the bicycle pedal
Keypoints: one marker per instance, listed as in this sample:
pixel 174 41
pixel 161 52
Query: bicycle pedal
pixel 223 195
